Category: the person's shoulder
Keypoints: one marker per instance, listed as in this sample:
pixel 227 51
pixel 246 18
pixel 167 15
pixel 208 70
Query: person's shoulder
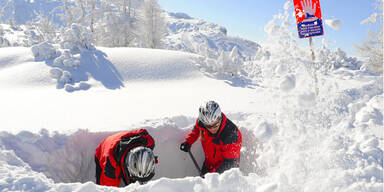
pixel 229 134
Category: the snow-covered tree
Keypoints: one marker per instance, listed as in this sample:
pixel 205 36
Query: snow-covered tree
pixel 88 12
pixel 83 12
pixel 67 15
pixel 77 38
pixel 45 28
pixel 152 24
pixel 236 60
pixel 116 27
pixel 124 6
pixel 372 49
pixel 222 61
pixel 115 31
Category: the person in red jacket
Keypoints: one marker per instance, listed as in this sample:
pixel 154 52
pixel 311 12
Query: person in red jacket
pixel 125 156
pixel 220 139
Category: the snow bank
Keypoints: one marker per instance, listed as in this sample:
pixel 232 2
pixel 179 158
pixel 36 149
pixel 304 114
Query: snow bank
pixel 293 140
pixel 16 175
pixel 323 146
pixel 107 67
pixel 53 153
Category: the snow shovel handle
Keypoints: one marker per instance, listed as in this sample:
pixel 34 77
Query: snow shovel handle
pixel 194 162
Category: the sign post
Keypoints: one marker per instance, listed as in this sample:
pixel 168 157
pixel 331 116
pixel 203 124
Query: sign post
pixel 309 24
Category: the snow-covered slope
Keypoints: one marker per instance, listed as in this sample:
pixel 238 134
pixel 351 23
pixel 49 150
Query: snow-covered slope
pixel 197 36
pixel 115 74
pixel 55 109
pixel 293 140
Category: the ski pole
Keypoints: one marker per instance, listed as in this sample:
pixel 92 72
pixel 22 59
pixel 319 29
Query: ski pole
pixel 194 162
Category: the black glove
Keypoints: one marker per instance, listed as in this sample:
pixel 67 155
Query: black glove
pixel 185 147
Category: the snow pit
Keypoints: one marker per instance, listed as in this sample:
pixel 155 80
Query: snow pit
pixel 68 158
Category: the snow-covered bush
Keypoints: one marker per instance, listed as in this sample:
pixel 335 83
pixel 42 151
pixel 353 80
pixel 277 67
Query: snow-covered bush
pixel 44 51
pixel 67 59
pixel 77 38
pixel 63 77
pixel 330 60
pixel 32 37
pixel 56 73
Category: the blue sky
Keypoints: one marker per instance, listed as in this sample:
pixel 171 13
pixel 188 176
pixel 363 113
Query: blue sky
pixel 247 18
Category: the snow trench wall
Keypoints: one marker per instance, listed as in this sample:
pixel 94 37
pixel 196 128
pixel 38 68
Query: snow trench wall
pixel 70 158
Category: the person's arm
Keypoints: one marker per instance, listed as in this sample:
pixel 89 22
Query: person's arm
pixel 190 139
pixel 231 152
pixel 108 175
pixel 98 171
pixel 192 136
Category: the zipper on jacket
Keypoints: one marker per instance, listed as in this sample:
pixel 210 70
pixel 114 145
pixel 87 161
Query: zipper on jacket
pixel 214 153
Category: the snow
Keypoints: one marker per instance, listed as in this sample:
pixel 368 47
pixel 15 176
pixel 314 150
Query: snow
pixel 371 19
pixel 335 24
pixel 292 139
pixel 288 83
pixel 56 106
pixel 43 51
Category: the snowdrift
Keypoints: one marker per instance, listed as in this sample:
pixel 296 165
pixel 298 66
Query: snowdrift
pixel 58 104
pixel 133 64
pixel 293 140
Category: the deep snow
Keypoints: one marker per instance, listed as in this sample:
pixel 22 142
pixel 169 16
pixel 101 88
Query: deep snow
pixel 293 140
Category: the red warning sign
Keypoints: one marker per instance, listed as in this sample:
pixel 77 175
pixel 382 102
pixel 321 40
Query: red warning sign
pixel 308 17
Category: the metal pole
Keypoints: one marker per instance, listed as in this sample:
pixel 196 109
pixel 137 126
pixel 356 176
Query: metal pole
pixel 313 67
pixel 194 162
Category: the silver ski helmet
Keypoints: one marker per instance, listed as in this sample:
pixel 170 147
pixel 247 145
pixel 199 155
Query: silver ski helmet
pixel 140 162
pixel 209 112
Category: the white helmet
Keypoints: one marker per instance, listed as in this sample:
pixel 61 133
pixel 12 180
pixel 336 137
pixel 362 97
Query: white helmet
pixel 209 112
pixel 140 162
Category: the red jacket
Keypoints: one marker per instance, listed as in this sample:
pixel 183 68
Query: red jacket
pixel 110 154
pixel 222 150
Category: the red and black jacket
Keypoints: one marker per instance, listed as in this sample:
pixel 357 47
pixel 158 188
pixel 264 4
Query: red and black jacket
pixel 110 154
pixel 222 150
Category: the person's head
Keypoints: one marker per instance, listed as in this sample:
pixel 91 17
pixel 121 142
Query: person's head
pixel 140 163
pixel 210 116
